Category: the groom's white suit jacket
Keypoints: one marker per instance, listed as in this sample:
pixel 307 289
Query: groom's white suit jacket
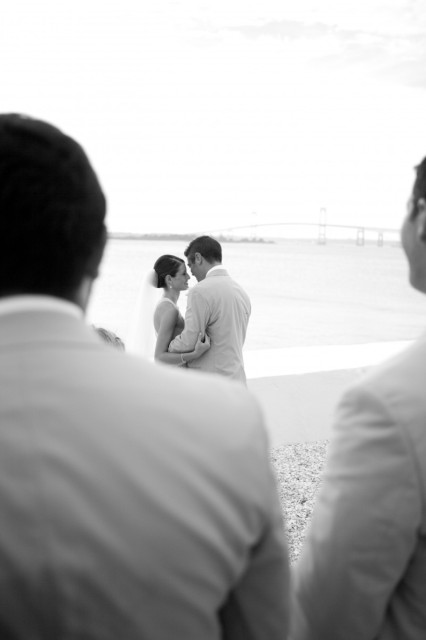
pixel 220 307
pixel 136 500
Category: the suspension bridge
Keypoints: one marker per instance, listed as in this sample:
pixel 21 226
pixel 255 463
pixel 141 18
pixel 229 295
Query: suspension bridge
pixel 320 230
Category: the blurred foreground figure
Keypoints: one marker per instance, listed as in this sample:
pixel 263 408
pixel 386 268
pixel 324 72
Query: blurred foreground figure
pixel 362 573
pixel 135 501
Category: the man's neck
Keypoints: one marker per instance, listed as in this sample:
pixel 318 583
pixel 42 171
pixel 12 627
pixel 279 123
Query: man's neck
pixel 27 302
pixel 214 265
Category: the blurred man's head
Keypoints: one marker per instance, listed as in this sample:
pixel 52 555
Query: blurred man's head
pixel 202 254
pixel 413 233
pixel 52 212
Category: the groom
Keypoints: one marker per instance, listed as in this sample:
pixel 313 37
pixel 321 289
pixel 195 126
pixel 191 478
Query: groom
pixel 217 306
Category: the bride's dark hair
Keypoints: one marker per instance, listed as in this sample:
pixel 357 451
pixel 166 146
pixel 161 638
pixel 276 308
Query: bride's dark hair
pixel 166 265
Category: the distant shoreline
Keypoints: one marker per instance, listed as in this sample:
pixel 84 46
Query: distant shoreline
pixel 120 235
pixel 187 237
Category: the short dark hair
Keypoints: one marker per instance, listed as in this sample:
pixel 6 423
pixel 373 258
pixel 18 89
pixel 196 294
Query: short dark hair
pixel 419 188
pixel 52 210
pixel 207 246
pixel 166 265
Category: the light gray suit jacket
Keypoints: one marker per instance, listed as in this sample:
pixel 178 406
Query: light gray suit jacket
pixel 136 500
pixel 220 307
pixel 362 573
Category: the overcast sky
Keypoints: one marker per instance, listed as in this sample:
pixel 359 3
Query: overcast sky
pixel 200 114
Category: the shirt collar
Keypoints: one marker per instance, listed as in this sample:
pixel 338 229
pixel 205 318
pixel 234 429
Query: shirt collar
pixel 22 303
pixel 215 268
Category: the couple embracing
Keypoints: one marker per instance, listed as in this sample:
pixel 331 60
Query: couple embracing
pixel 212 335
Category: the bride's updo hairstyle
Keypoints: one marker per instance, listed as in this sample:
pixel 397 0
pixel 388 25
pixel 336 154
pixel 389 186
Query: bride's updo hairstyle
pixel 166 265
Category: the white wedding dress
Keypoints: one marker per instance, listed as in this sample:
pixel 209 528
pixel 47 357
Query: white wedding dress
pixel 141 337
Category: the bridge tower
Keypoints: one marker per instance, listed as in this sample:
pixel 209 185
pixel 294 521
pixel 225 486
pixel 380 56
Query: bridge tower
pixel 360 237
pixel 322 226
pixel 255 226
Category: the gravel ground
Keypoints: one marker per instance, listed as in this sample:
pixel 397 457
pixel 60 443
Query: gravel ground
pixel 298 468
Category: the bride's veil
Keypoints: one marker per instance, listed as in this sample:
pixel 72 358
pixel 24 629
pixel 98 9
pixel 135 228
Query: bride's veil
pixel 141 337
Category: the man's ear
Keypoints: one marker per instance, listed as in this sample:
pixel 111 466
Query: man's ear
pixel 421 219
pixel 92 268
pixel 198 258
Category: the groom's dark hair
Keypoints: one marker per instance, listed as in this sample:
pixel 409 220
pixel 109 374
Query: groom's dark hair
pixel 52 210
pixel 207 246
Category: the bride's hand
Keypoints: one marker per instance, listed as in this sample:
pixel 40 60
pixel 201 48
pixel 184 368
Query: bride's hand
pixel 202 345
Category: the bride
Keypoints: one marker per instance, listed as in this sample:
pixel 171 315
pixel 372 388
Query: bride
pixel 169 274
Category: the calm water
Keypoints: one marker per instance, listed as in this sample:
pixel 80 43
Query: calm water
pixel 302 294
